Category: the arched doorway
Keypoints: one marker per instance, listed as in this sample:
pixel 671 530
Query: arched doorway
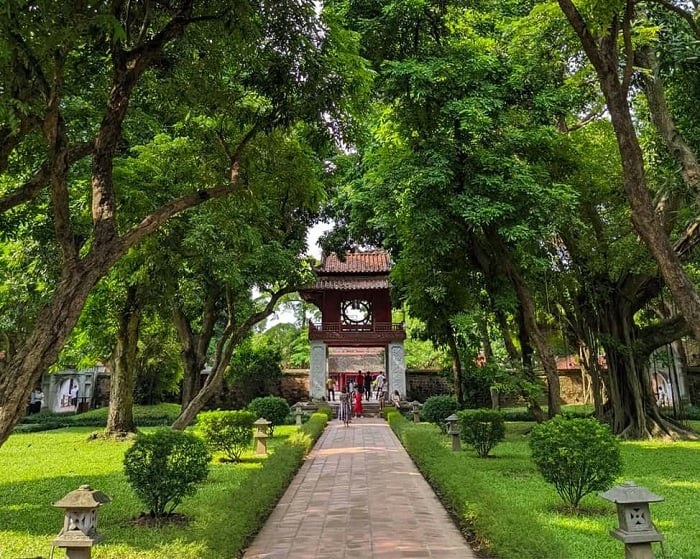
pixel 67 395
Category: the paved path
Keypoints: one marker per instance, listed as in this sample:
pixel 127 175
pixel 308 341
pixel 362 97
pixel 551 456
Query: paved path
pixel 359 496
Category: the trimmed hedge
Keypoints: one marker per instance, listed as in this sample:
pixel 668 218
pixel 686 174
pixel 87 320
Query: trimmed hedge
pixel 144 416
pixel 269 482
pixel 326 410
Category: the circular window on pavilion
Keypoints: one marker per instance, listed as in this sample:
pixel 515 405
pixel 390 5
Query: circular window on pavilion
pixel 356 311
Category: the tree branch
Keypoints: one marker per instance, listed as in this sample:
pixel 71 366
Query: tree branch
pixel 686 243
pixel 661 116
pixel 658 335
pixel 253 319
pixel 629 48
pixel 152 222
pixel 577 22
pixel 209 319
pixel 139 58
pixel 168 210
pixel 32 186
pixel 55 132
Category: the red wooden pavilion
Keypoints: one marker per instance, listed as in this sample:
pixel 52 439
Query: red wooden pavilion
pixel 356 329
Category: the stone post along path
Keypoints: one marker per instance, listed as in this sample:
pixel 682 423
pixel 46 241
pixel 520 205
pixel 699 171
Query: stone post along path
pixel 357 496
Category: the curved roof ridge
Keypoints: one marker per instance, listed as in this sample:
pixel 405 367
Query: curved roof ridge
pixel 369 262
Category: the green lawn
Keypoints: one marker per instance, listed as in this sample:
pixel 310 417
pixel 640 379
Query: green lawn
pixel 37 469
pixel 516 515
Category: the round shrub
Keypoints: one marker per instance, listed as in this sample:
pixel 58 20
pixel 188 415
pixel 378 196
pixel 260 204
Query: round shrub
pixel 482 429
pixel 437 408
pixel 165 466
pixel 578 456
pixel 228 431
pixel 272 408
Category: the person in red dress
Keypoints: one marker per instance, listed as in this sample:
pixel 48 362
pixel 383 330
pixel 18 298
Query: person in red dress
pixel 357 407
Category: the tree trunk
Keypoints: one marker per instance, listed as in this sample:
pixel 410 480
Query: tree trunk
pixel 24 368
pixel 635 413
pixel 456 367
pixel 195 346
pixel 54 323
pixel 526 353
pixel 529 315
pixel 230 338
pixel 511 350
pixel 123 364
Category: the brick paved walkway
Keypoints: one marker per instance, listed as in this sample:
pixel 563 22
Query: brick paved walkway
pixel 359 496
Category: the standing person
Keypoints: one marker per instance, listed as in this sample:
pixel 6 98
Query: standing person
pixel 380 380
pixel 36 399
pixel 330 385
pixel 368 385
pixel 345 409
pixel 357 408
pixel 351 384
pixel 396 399
pixel 74 395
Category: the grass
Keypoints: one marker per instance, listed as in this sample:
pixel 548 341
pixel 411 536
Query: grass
pixel 514 514
pixel 37 469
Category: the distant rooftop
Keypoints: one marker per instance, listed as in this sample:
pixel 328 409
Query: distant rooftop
pixel 374 262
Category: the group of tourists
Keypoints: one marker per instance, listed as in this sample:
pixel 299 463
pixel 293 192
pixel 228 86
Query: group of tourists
pixel 363 384
pixel 355 390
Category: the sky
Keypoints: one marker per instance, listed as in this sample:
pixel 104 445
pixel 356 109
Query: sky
pixel 314 250
pixel 312 237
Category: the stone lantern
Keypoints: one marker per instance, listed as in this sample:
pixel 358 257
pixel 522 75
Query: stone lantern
pixel 79 531
pixel 415 409
pixel 636 529
pixel 453 430
pixel 261 435
pixel 298 412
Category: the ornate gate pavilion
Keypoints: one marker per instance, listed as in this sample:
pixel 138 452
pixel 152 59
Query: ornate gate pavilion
pixel 355 329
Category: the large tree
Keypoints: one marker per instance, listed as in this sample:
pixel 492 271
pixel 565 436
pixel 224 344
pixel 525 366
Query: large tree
pixel 607 37
pixel 253 242
pixel 463 142
pixel 83 81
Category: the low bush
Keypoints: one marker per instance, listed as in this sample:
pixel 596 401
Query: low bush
pixel 230 432
pixel 578 456
pixel 387 410
pixel 326 410
pixel 144 416
pixel 272 408
pixel 437 408
pixel 482 429
pixel 517 414
pixel 692 413
pixel 310 431
pixel 165 466
pixel 397 421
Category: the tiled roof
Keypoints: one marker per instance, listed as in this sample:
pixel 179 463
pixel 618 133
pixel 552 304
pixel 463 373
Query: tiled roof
pixel 357 263
pixel 349 283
